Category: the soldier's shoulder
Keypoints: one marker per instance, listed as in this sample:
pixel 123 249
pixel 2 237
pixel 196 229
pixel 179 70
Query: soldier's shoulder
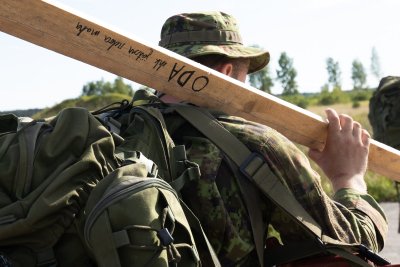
pixel 246 129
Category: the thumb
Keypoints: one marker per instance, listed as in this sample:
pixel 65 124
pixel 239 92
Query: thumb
pixel 314 154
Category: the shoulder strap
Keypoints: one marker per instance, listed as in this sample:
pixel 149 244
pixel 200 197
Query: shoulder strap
pixel 256 169
pixel 212 129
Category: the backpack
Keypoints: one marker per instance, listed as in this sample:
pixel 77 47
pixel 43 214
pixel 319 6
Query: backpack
pixel 47 171
pixel 64 189
pixel 143 129
pixel 384 112
pixel 249 168
pixel 136 220
pixel 143 125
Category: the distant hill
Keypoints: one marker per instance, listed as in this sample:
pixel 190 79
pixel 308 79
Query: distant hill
pixel 91 103
pixel 22 112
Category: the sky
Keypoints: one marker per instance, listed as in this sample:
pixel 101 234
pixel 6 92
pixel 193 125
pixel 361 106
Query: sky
pixel 309 31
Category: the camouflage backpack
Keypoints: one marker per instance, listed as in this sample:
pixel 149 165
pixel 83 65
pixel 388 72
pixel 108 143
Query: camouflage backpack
pixel 69 198
pixel 47 171
pixel 133 219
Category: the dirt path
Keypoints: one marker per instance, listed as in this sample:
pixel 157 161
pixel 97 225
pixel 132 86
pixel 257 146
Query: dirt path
pixel 391 251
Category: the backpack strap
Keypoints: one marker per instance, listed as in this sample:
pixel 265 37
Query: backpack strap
pixel 27 137
pixel 200 237
pixel 257 170
pixel 249 193
pixel 188 170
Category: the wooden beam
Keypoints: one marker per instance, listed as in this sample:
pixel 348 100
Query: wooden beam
pixel 62 31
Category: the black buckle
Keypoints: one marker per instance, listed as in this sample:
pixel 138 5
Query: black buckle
pixel 165 237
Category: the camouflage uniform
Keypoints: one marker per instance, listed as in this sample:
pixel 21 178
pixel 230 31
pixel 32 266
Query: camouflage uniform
pixel 349 217
pixel 216 199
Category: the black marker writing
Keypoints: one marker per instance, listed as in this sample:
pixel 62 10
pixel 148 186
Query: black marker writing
pixel 199 83
pixel 184 77
pixel 159 63
pixel 113 42
pixel 140 55
pixel 82 28
pixel 174 72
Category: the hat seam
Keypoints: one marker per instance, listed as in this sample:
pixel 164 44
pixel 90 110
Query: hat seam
pixel 214 36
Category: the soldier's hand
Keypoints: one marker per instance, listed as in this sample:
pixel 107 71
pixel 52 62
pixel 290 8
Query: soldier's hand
pixel 344 158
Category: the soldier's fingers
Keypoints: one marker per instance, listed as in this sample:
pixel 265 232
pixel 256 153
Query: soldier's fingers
pixel 357 130
pixel 333 119
pixel 365 137
pixel 346 122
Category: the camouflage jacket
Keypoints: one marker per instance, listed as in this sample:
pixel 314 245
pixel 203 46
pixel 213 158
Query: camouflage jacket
pixel 216 199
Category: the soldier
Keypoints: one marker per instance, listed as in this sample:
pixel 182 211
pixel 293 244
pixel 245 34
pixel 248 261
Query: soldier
pixel 350 216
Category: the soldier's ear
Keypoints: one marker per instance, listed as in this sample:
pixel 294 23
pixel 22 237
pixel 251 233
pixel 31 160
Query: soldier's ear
pixel 225 68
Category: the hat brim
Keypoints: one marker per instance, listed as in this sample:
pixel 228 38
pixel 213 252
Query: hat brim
pixel 258 57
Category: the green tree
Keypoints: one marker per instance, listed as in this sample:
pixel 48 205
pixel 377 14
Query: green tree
pixel 375 64
pixel 95 88
pixel 262 80
pixel 330 98
pixel 358 75
pixel 122 88
pixel 101 87
pixel 333 73
pixel 286 75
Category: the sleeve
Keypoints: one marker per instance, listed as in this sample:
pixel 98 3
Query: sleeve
pixel 363 205
pixel 349 217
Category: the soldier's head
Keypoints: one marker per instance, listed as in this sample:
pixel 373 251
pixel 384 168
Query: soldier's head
pixel 212 39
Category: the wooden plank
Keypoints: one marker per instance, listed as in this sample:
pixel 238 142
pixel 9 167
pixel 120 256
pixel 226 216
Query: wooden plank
pixel 54 28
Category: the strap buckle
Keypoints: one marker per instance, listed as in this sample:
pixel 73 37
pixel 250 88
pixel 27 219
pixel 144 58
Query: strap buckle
pixel 165 237
pixel 252 164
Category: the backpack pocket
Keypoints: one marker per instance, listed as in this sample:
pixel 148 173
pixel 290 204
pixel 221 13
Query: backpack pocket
pixel 134 220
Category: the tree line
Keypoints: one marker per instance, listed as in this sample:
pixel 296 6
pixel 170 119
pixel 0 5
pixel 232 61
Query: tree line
pixel 102 87
pixel 286 74
pixel 331 92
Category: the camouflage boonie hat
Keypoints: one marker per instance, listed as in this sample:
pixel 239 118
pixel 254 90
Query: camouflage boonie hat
pixel 205 33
